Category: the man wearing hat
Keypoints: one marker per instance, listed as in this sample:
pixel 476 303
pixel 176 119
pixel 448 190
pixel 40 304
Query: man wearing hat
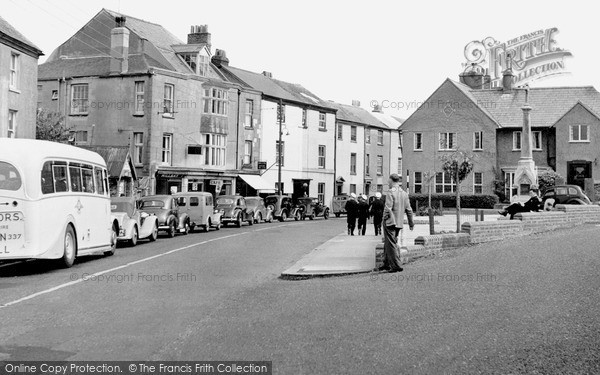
pixel 396 204
pixel 363 214
pixel 351 208
pixel 376 210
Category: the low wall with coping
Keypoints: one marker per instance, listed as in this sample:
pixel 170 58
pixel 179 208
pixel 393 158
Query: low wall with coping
pixel 563 216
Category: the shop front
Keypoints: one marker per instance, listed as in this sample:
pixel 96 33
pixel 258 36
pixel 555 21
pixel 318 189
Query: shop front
pixel 171 182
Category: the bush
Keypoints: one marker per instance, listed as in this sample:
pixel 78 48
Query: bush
pixel 449 200
pixel 549 179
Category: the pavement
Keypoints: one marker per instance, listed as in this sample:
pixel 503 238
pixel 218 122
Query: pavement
pixel 344 254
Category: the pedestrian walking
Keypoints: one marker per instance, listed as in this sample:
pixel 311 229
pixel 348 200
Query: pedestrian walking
pixel 351 208
pixel 363 214
pixel 376 211
pixel 396 204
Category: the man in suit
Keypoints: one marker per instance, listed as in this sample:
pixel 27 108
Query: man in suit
pixel 351 208
pixel 376 211
pixel 396 204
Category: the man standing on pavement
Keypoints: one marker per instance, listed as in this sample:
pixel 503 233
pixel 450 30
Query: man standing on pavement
pixel 376 211
pixel 351 208
pixel 396 204
pixel 363 214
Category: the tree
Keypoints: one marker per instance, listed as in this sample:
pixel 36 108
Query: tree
pixel 458 165
pixel 50 126
pixel 549 179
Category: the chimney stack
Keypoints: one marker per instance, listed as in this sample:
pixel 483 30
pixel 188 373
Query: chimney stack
pixel 119 47
pixel 475 77
pixel 267 74
pixel 377 108
pixel 199 35
pixel 508 76
pixel 356 103
pixel 220 58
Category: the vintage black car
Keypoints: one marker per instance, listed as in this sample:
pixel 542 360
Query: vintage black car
pixel 281 206
pixel 234 210
pixel 566 194
pixel 310 207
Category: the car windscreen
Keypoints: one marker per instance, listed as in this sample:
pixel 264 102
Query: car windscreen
pixel 224 201
pixel 271 200
pixel 152 204
pixel 10 179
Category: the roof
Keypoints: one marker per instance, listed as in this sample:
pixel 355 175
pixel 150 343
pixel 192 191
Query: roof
pixel 87 58
pixel 390 121
pixel 548 104
pixel 274 88
pixel 356 114
pixel 9 31
pixel 115 158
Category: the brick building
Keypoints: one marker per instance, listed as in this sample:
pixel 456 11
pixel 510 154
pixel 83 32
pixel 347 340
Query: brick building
pixel 18 83
pixel 487 122
pixel 122 81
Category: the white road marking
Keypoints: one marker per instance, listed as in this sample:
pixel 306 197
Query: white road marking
pixel 61 286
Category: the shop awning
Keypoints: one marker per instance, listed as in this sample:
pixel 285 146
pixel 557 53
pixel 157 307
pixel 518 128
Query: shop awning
pixel 258 183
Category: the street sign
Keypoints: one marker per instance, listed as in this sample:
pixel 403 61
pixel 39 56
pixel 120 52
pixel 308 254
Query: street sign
pixel 262 165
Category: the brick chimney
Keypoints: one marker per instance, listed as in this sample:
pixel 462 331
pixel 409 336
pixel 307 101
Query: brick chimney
pixel 119 47
pixel 377 108
pixel 356 103
pixel 267 74
pixel 508 76
pixel 199 35
pixel 220 58
pixel 475 77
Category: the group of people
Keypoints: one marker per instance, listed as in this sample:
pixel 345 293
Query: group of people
pixel 387 212
pixel 359 209
pixel 533 204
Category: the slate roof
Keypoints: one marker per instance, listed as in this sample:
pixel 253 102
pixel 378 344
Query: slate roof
pixel 548 104
pixel 8 30
pixel 115 158
pixel 356 114
pixel 163 41
pixel 390 121
pixel 274 88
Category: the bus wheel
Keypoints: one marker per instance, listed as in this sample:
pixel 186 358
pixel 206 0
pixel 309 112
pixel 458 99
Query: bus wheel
pixel 113 241
pixel 70 248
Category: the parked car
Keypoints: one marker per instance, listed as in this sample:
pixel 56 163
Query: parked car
pixel 259 210
pixel 166 210
pixel 280 205
pixel 133 224
pixel 199 209
pixel 234 210
pixel 338 204
pixel 311 207
pixel 566 194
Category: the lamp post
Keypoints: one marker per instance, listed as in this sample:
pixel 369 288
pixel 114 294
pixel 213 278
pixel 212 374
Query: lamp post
pixel 279 118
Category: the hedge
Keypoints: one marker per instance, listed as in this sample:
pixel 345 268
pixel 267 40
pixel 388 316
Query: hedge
pixel 449 200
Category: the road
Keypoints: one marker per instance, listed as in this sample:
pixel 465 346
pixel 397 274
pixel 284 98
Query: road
pixel 527 305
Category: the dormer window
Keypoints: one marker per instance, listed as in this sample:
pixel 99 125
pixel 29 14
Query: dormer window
pixel 197 61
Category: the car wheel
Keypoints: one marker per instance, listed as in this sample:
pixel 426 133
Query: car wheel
pixel 206 227
pixel 134 237
pixel 239 221
pixel 154 233
pixel 186 228
pixel 171 231
pixel 283 216
pixel 298 216
pixel 251 220
pixel 69 248
pixel 259 218
pixel 270 218
pixel 113 241
pixel 326 214
pixel 218 226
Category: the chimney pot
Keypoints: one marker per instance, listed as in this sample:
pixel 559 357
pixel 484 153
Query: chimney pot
pixel 267 74
pixel 356 103
pixel 220 58
pixel 199 35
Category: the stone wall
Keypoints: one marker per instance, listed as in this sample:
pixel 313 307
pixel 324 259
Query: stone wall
pixel 563 216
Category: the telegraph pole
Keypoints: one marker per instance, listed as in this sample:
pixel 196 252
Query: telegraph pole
pixel 279 151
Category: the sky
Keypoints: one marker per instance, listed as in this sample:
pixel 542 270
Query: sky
pixel 389 52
